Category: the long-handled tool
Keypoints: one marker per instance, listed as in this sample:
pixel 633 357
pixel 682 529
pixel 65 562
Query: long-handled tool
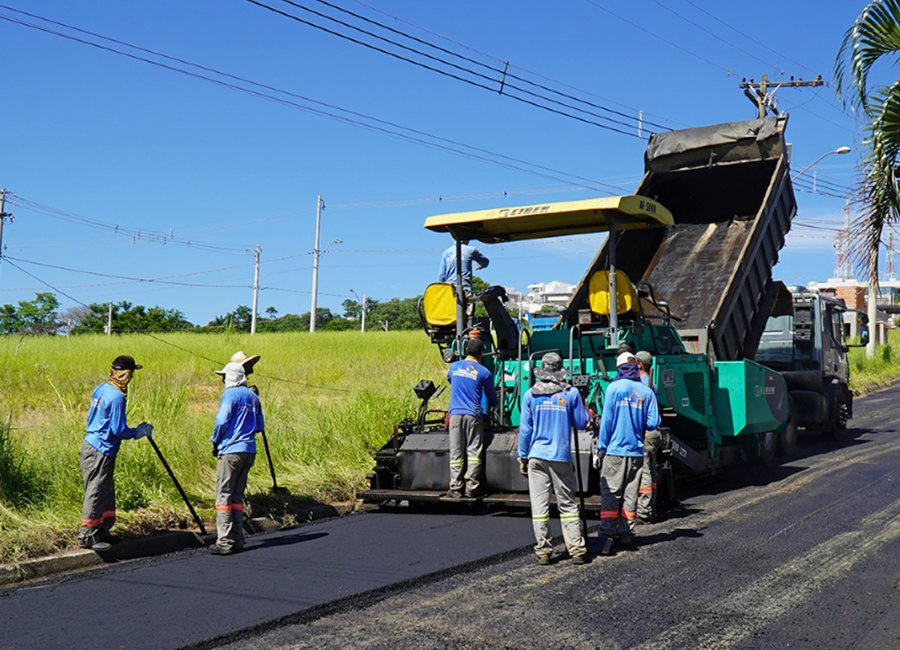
pixel 580 485
pixel 177 485
pixel 275 488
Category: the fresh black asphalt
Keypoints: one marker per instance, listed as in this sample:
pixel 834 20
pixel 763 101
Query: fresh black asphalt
pixel 804 553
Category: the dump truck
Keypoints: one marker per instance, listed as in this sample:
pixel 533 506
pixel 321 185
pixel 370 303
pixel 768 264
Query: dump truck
pixel 805 340
pixel 685 274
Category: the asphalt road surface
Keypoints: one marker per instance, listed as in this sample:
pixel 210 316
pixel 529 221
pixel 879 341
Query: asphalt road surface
pixel 801 554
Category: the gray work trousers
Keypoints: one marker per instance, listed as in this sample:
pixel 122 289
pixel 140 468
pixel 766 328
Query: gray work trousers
pixel 620 479
pixel 98 511
pixel 646 506
pixel 544 475
pixel 466 446
pixel 231 482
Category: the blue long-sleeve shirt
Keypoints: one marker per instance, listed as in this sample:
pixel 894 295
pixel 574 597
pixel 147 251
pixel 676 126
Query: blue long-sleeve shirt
pixel 469 380
pixel 106 424
pixel 238 421
pixel 629 409
pixel 545 430
pixel 470 254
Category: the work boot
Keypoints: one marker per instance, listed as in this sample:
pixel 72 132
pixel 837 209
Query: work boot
pixel 218 549
pixel 452 494
pixel 543 559
pixel 475 494
pixel 606 545
pixel 627 540
pixel 580 558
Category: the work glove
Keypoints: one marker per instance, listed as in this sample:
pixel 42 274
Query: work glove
pixel 143 430
pixel 598 460
pixel 215 450
pixel 255 390
pixel 523 467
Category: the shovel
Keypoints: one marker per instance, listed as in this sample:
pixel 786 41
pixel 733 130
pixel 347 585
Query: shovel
pixel 275 489
pixel 177 485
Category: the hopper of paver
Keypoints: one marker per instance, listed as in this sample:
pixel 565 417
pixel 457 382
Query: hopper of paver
pixel 730 194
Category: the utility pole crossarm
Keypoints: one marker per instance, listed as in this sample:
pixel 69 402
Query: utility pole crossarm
pixel 762 93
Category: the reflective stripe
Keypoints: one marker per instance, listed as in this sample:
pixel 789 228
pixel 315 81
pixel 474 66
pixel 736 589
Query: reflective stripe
pixel 630 515
pixel 569 517
pixel 91 523
pixel 609 514
pixel 475 461
pixel 237 506
pixel 540 517
pixel 457 463
pixel 223 507
pixel 108 514
pixel 647 489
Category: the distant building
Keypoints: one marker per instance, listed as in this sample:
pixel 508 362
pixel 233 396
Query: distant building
pixel 555 293
pixel 855 295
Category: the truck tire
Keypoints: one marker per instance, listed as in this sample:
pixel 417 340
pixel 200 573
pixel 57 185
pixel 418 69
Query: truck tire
pixel 838 426
pixel 768 447
pixel 787 439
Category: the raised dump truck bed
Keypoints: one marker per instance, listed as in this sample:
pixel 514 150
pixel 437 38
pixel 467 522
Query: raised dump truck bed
pixel 730 195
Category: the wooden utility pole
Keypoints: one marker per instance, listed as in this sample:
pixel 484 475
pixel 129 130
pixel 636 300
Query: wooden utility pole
pixel 109 319
pixel 762 93
pixel 255 291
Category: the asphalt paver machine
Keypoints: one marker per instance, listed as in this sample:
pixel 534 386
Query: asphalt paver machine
pixel 714 411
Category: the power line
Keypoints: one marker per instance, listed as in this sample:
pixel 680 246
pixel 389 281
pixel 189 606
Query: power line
pixel 500 85
pixel 390 129
pixel 505 72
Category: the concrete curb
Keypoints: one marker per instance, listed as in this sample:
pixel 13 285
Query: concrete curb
pixel 876 387
pixel 169 542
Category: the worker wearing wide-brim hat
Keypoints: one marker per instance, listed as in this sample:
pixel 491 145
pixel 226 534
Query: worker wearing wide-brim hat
pixel 233 439
pixel 106 428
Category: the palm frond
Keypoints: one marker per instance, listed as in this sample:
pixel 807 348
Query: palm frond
pixel 875 34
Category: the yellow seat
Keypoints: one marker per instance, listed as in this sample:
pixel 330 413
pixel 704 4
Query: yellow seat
pixel 439 304
pixel 598 294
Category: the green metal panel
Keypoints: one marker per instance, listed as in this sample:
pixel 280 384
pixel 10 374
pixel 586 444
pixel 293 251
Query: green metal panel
pixel 749 398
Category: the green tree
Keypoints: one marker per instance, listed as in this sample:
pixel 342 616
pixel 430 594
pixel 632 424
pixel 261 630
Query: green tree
pixel 874 37
pixel 37 317
pixel 128 317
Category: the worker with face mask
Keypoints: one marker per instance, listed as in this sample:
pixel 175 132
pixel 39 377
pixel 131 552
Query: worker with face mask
pixel 106 428
pixel 233 439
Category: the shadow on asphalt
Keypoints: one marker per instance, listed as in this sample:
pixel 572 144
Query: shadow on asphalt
pixel 284 540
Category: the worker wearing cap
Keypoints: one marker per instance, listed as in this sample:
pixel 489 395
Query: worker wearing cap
pixel 469 382
pixel 106 429
pixel 550 410
pixel 646 505
pixel 629 410
pixel 233 439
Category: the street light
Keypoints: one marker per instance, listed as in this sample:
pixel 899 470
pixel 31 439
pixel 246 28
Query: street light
pixel 838 151
pixel 362 307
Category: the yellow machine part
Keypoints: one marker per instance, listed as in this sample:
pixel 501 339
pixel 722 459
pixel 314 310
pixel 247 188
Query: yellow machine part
pixel 598 294
pixel 439 304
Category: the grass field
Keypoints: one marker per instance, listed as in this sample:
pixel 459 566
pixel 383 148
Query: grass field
pixel 330 400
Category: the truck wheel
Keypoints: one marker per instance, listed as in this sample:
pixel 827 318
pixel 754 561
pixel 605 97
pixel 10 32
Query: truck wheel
pixel 787 439
pixel 839 426
pixel 768 446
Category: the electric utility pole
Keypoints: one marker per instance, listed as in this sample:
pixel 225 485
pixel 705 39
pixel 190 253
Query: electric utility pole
pixel 109 319
pixel 762 93
pixel 320 205
pixel 258 250
pixel 3 215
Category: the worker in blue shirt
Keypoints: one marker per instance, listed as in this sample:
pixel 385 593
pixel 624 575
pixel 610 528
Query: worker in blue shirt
pixel 447 272
pixel 629 410
pixel 233 439
pixel 106 428
pixel 469 381
pixel 550 410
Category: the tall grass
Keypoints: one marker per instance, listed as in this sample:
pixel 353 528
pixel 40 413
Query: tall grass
pixel 885 366
pixel 330 399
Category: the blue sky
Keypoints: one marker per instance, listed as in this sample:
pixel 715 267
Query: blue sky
pixel 122 154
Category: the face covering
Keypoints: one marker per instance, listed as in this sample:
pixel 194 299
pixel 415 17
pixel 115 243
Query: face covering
pixel 120 378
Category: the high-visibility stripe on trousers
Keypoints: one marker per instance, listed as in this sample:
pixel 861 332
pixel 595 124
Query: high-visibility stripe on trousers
pixel 231 483
pixel 646 505
pixel 544 475
pixel 620 478
pixel 98 511
pixel 466 448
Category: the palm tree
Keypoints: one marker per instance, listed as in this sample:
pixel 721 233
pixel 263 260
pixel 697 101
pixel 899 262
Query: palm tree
pixel 873 37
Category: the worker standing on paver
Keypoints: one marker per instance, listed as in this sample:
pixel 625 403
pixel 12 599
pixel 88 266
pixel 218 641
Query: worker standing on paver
pixel 469 382
pixel 106 428
pixel 550 410
pixel 238 421
pixel 629 410
pixel 447 271
pixel 646 506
